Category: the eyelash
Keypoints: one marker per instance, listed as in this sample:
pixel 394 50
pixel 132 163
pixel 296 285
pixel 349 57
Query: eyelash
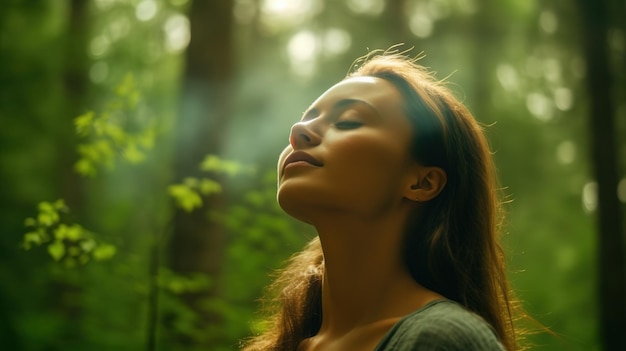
pixel 348 124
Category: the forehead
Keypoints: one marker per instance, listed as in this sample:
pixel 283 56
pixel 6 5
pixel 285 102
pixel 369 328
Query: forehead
pixel 377 92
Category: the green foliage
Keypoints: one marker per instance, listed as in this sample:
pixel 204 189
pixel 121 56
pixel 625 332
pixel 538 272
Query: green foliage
pixel 177 283
pixel 188 194
pixel 70 244
pixel 261 237
pixel 215 164
pixel 115 133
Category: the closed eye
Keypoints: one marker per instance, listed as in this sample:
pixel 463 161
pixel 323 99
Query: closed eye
pixel 347 124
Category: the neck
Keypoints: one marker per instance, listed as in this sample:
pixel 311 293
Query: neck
pixel 365 278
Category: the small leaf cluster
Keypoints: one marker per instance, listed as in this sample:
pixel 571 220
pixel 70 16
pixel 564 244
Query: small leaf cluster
pixel 109 135
pixel 177 283
pixel 189 193
pixel 68 243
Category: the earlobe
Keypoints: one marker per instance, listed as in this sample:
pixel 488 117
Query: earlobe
pixel 427 183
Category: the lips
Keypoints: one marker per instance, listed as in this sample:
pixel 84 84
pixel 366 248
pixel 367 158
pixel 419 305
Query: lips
pixel 301 156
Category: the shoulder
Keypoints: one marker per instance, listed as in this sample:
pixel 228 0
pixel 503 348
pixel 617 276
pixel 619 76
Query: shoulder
pixel 444 326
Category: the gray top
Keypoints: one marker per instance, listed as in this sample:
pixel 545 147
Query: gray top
pixel 441 325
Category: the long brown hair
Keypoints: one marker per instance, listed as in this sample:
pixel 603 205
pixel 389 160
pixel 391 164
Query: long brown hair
pixel 453 248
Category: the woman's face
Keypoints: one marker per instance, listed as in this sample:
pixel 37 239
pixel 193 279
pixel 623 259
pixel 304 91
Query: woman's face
pixel 348 154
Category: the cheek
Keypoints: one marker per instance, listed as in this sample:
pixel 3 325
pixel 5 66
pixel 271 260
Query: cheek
pixel 369 166
pixel 368 155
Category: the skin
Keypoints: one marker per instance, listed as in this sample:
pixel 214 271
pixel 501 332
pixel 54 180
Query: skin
pixel 358 197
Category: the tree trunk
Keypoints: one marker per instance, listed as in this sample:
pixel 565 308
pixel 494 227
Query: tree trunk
pixel 75 85
pixel 488 34
pixel 612 268
pixel 75 94
pixel 196 245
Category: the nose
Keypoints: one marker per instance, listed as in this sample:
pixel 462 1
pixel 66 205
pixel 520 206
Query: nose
pixel 303 136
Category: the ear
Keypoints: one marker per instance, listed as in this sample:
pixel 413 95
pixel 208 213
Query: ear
pixel 426 183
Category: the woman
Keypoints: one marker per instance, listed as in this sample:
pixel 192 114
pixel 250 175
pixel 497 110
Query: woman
pixel 396 176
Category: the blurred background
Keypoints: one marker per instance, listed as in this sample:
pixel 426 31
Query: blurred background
pixel 138 141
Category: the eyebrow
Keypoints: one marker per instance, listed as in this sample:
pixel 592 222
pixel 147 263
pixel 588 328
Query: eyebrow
pixel 339 105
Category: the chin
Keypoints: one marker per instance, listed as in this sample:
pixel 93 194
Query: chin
pixel 295 205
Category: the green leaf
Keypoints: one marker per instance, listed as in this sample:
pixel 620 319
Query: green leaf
pixel 210 163
pixel 47 219
pixel 83 123
pixel 56 250
pixel 60 205
pixel 30 222
pixel 126 86
pixel 87 245
pixel 75 232
pixel 213 163
pixel 208 186
pixel 45 206
pixel 60 232
pixel 32 238
pixel 88 151
pixel 186 198
pixel 85 167
pixel 114 132
pixel 133 154
pixel 105 151
pixel 104 252
pixel 190 182
pixel 36 237
pixel 146 139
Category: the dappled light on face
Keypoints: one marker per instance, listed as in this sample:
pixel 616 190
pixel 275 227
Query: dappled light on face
pixel 176 33
pixel 590 197
pixel 146 10
pixel 303 49
pixel 566 152
pixel 366 7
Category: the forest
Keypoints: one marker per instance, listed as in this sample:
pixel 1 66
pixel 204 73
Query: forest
pixel 139 139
